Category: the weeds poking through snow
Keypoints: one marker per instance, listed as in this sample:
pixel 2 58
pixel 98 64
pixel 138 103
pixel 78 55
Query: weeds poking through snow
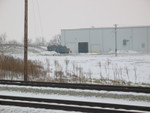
pixel 67 63
pixel 74 68
pixel 100 68
pixel 89 74
pixel 127 72
pixel 135 73
pixel 108 62
pixel 114 72
pixel 120 73
pixel 48 69
pixel 72 72
pixel 80 74
pixel 58 74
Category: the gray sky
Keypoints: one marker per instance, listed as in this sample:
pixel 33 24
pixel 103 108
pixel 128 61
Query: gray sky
pixel 48 17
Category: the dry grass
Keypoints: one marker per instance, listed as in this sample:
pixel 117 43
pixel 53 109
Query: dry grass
pixel 11 67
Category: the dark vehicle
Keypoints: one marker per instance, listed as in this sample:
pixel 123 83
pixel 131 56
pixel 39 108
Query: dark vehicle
pixel 58 49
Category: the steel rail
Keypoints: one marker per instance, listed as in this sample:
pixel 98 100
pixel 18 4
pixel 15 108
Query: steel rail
pixel 69 105
pixel 79 103
pixel 79 86
pixel 62 107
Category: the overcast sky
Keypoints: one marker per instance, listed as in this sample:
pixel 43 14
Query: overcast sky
pixel 48 17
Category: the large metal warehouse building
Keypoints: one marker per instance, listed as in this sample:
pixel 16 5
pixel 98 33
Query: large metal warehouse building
pixel 103 40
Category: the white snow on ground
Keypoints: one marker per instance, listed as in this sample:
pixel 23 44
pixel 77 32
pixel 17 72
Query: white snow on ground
pixel 19 50
pixel 129 66
pixel 7 109
pixel 15 109
pixel 133 68
pixel 75 90
pixel 42 93
pixel 77 98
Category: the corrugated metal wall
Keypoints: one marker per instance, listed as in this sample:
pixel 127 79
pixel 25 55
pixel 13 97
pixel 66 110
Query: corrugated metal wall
pixel 102 40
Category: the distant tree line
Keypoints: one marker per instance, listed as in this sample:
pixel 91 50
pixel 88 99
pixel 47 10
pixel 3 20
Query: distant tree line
pixel 39 41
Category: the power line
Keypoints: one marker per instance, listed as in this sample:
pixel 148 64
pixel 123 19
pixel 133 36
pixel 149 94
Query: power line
pixel 34 18
pixel 38 28
pixel 40 17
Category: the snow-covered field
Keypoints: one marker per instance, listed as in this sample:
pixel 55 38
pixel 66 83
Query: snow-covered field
pixel 133 68
pixel 128 67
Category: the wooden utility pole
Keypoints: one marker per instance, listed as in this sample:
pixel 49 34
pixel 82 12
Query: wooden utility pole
pixel 26 42
pixel 115 39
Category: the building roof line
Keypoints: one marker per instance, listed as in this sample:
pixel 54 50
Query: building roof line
pixel 108 27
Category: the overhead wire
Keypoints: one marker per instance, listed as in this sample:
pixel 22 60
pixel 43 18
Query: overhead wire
pixel 34 18
pixel 41 27
pixel 37 19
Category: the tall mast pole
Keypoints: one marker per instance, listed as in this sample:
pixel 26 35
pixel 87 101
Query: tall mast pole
pixel 26 42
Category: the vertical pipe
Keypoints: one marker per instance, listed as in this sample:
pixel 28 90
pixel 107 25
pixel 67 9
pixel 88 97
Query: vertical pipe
pixel 115 39
pixel 89 42
pixel 147 40
pixel 26 42
pixel 102 41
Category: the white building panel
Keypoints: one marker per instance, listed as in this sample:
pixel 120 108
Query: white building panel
pixel 124 38
pixel 77 35
pixel 72 47
pixel 108 39
pixel 102 40
pixel 140 39
pixel 148 38
pixel 95 49
pixel 62 37
pixel 96 40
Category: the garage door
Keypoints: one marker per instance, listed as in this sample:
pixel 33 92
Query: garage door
pixel 83 47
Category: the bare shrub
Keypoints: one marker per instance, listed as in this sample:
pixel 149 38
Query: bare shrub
pixel 74 69
pixel 81 76
pixel 60 77
pixel 58 73
pixel 89 76
pixel 13 68
pixel 74 74
pixel 48 67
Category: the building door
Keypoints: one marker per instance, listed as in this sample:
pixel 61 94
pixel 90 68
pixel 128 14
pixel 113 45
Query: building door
pixel 83 47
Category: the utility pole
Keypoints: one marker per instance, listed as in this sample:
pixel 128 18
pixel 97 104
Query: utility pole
pixel 115 39
pixel 26 42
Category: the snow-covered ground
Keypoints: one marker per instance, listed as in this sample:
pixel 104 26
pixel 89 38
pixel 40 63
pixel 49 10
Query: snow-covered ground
pixel 133 68
pixel 128 98
pixel 14 109
pixel 129 66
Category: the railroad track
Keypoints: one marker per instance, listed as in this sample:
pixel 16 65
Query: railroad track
pixel 79 86
pixel 69 105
